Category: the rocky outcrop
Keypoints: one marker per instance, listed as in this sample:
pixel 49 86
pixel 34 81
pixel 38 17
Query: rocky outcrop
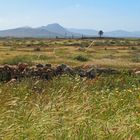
pixel 47 72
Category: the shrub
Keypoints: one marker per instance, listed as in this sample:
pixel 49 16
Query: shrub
pixel 133 48
pixel 37 49
pixel 81 58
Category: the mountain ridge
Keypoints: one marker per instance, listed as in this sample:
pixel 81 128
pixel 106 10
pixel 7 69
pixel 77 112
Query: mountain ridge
pixel 56 30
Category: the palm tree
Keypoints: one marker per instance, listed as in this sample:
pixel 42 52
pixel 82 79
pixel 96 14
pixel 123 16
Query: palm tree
pixel 100 33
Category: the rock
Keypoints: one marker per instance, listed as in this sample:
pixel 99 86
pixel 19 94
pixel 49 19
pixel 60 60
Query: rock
pixel 22 66
pixel 48 65
pixel 91 73
pixel 7 67
pixel 60 69
pixel 48 74
pixel 82 73
pixel 63 66
pixel 107 71
pixel 39 66
pixel 69 70
pixel 6 75
pixel 12 81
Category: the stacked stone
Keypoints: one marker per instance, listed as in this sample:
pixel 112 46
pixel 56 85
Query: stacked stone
pixel 47 72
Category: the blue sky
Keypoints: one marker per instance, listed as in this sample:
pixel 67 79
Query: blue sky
pixel 94 14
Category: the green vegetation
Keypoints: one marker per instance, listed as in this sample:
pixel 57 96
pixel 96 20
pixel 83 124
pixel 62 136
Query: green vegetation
pixel 71 108
pixel 25 59
pixel 81 58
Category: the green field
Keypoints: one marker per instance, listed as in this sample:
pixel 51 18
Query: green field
pixel 72 108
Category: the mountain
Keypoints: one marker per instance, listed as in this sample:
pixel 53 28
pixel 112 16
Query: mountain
pixel 117 33
pixel 49 31
pixel 56 30
pixel 86 32
pixel 122 33
pixel 28 32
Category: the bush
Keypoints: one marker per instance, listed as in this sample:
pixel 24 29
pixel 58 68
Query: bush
pixel 81 58
pixel 133 48
pixel 37 49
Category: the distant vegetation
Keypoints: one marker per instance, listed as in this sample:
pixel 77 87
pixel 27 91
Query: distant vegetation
pixel 73 52
pixel 100 33
pixel 81 58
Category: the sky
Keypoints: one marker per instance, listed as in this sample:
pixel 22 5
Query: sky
pixel 88 14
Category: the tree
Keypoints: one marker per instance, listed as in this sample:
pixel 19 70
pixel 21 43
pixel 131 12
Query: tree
pixel 100 33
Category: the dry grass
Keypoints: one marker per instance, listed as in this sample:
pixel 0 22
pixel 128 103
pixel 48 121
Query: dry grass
pixel 71 108
pixel 58 52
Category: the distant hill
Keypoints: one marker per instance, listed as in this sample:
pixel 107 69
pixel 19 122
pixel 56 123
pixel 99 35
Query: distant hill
pixel 122 33
pixel 28 32
pixel 49 31
pixel 86 32
pixel 56 30
pixel 117 33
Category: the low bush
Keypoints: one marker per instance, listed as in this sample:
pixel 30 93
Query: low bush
pixel 37 49
pixel 81 58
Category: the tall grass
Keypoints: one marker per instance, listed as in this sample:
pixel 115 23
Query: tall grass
pixel 71 108
pixel 30 59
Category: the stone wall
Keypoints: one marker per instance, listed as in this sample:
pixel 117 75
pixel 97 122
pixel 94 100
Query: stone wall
pixel 47 72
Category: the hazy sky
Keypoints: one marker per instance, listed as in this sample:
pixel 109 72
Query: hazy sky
pixel 95 14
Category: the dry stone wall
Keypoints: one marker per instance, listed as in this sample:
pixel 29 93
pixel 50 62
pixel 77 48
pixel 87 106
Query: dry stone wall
pixel 47 72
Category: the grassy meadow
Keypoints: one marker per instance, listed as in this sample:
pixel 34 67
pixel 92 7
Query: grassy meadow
pixel 72 108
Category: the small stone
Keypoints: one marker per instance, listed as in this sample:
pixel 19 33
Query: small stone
pixel 39 66
pixel 48 65
pixel 22 66
pixel 91 73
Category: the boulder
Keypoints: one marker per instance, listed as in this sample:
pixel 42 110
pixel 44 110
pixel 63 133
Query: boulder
pixel 81 73
pixel 39 66
pixel 12 81
pixel 107 71
pixel 6 75
pixel 60 69
pixel 22 66
pixel 69 70
pixel 50 74
pixel 91 73
pixel 48 65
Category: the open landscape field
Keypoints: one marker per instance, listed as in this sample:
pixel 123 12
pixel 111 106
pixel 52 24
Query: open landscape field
pixel 68 107
pixel 116 53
